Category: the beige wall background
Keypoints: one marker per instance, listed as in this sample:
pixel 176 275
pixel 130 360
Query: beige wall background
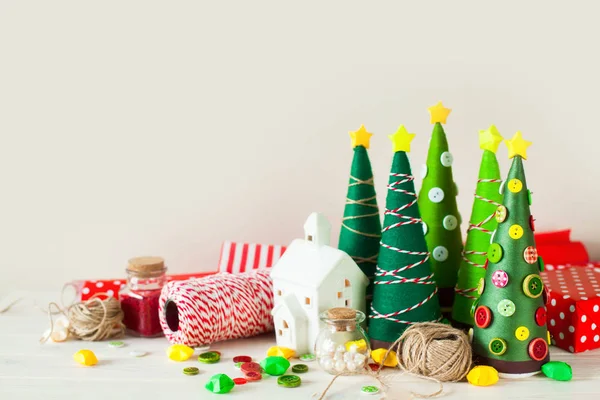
pixel 145 127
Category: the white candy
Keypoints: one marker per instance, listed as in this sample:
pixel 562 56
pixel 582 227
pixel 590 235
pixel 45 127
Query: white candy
pixel 338 355
pixel 360 359
pixel 348 357
pixel 353 348
pixel 340 366
pixel 329 346
pixel 341 348
pixel 351 366
pixel 326 363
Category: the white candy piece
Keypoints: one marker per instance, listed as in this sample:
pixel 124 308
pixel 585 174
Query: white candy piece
pixel 351 366
pixel 341 348
pixel 353 348
pixel 340 366
pixel 348 357
pixel 329 346
pixel 338 355
pixel 327 363
pixel 359 358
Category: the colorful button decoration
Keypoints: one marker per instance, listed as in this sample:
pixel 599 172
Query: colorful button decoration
pixel 480 286
pixel 138 353
pixel 436 195
pixel 85 357
pixel 500 278
pixel 542 265
pixel 440 253
pixel 532 223
pixel 210 357
pixel 240 381
pixel 533 286
pixel 253 376
pixel 483 317
pixel 515 232
pixel 515 185
pixel 289 381
pixel 506 308
pixel 538 349
pixel 220 384
pixel 250 367
pixel 191 371
pixel 450 222
pixel 497 346
pixel 369 389
pixel 116 344
pixel 522 333
pixel 241 359
pixel 549 337
pixel 307 357
pixel 501 214
pixel 238 364
pixel 530 255
pixel 540 316
pixel 300 368
pixel 495 253
pixel 447 159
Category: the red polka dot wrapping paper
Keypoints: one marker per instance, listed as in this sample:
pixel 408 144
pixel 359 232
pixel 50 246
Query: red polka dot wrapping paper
pixel 573 303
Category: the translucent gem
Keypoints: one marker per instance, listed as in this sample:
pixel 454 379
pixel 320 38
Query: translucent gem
pixel 275 365
pixel 281 352
pixel 558 370
pixel 483 375
pixel 179 352
pixel 220 384
pixel 390 361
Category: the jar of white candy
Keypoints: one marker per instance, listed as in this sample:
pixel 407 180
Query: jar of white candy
pixel 342 346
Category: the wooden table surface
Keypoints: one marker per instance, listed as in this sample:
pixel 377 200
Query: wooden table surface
pixel 30 370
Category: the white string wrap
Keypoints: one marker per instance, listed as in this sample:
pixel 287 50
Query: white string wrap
pixel 218 307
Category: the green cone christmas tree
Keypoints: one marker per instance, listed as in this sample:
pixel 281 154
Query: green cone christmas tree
pixel 404 291
pixel 510 331
pixel 361 226
pixel 437 202
pixel 481 226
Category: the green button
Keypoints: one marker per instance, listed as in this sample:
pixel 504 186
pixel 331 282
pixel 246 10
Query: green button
pixel 289 381
pixel 191 371
pixel 369 389
pixel 495 252
pixel 116 344
pixel 300 368
pixel 529 197
pixel 210 357
pixel 533 286
pixel 497 346
pixel 307 357
pixel 506 308
pixel 480 286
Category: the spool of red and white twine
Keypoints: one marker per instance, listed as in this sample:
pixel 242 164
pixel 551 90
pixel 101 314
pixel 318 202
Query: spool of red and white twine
pixel 214 308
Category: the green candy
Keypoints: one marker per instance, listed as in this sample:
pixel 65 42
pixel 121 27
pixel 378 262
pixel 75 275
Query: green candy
pixel 289 381
pixel 558 370
pixel 275 365
pixel 220 384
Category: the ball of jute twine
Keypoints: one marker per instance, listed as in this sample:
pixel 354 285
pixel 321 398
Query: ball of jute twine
pixel 91 320
pixel 428 350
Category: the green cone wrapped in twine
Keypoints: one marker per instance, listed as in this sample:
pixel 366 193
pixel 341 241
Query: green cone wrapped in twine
pixel 404 290
pixel 481 227
pixel 510 331
pixel 361 226
pixel 437 203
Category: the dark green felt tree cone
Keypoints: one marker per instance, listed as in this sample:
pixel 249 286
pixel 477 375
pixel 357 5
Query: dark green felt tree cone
pixel 404 291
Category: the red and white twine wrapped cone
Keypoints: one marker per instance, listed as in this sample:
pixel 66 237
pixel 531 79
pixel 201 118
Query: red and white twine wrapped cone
pixel 219 307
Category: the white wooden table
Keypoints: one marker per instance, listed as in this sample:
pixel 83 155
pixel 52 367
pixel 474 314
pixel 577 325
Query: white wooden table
pixel 29 370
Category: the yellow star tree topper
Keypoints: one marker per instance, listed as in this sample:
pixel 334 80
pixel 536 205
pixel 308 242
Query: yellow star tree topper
pixel 361 137
pixel 490 139
pixel 517 146
pixel 401 139
pixel 439 113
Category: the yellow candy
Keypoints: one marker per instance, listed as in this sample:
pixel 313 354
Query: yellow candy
pixel 390 361
pixel 483 375
pixel 179 352
pixel 361 345
pixel 279 351
pixel 85 357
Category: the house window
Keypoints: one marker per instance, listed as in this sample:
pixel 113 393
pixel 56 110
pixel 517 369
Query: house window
pixel 285 324
pixel 309 238
pixel 280 332
pixel 307 301
pixel 346 283
pixel 348 303
pixel 339 295
pixel 279 292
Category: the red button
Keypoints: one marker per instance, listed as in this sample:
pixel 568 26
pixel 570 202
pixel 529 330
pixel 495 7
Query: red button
pixel 483 317
pixel 540 316
pixel 242 359
pixel 538 349
pixel 250 367
pixel 253 376
pixel 240 381
pixel 531 223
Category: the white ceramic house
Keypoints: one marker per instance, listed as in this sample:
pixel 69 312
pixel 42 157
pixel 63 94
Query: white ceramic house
pixel 312 277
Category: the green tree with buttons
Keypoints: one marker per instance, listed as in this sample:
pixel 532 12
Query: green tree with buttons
pixel 404 290
pixel 510 332
pixel 481 226
pixel 437 203
pixel 361 226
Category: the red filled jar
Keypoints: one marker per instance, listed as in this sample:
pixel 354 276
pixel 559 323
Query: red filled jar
pixel 146 277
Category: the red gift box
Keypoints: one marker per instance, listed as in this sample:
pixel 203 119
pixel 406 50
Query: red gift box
pixel 573 303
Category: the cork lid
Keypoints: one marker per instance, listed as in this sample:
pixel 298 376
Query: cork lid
pixel 146 265
pixel 339 313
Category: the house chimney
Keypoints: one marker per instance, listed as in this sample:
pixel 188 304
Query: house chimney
pixel 317 229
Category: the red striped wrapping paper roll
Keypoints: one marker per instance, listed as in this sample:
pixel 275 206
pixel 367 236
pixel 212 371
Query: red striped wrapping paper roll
pixel 217 307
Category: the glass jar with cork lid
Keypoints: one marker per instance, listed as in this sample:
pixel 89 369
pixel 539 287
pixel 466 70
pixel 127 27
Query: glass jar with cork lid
pixel 146 277
pixel 342 346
